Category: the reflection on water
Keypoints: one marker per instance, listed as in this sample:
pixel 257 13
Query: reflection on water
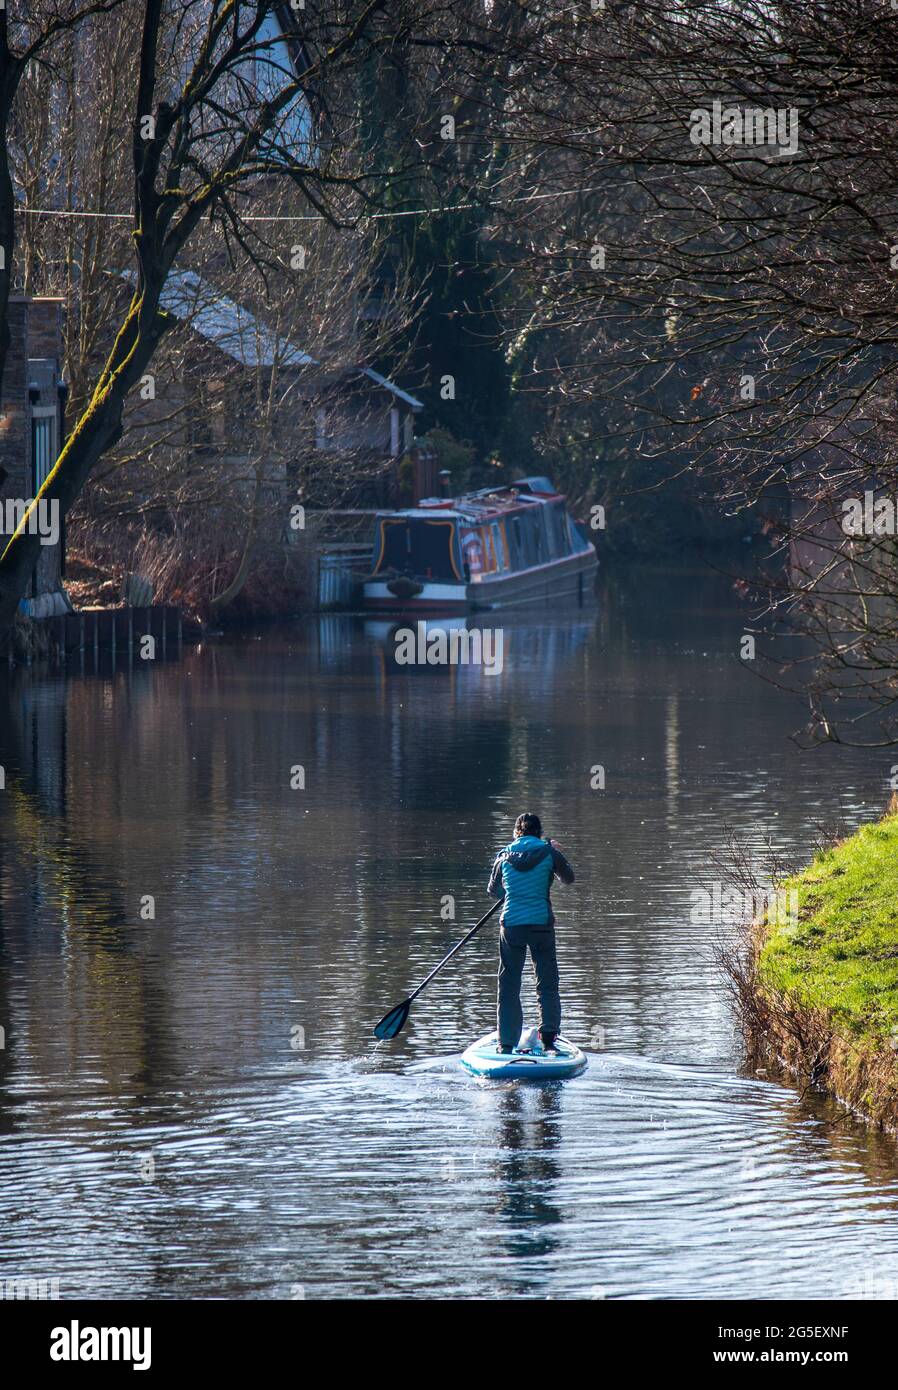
pixel 195 949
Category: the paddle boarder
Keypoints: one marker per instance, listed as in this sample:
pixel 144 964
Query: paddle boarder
pixel 521 879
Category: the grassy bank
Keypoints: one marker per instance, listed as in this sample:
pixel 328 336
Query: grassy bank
pixel 819 992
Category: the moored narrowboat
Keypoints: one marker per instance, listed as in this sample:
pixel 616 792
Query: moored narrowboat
pixel 488 549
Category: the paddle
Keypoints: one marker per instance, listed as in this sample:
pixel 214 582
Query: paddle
pixel 394 1022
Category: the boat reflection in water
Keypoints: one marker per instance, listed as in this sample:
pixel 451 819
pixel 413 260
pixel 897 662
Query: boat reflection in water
pixel 477 650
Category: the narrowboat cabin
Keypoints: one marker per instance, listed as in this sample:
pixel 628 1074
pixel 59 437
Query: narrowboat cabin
pixel 487 549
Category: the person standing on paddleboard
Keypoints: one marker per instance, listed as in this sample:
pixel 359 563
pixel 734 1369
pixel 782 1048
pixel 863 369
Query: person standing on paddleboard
pixel 522 875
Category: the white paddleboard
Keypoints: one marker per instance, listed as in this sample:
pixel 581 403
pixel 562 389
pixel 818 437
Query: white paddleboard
pixel 528 1062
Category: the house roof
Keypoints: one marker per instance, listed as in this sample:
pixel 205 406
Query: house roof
pixel 231 327
pixel 237 332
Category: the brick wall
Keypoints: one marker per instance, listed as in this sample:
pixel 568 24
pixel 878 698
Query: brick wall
pixel 35 356
pixel 14 441
pixel 45 328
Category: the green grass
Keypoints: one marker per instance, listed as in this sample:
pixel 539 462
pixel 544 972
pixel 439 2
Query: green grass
pixel 842 954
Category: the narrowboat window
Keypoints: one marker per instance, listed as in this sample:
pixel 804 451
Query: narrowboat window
pixel 472 549
pixel 499 546
pixel 556 525
pixel 518 536
pixel 529 542
pixel 528 532
pixel 540 537
pixel 490 563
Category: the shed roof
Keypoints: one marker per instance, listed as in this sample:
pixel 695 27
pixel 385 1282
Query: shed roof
pixel 392 387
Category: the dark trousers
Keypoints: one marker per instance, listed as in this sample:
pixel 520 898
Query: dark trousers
pixel 514 943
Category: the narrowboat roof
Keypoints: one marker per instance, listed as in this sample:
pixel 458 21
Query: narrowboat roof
pixel 486 503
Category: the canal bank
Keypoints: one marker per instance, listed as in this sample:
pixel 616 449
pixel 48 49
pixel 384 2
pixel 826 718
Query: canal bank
pixel 52 641
pixel 818 985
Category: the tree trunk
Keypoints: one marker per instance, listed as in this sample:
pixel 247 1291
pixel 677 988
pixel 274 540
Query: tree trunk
pixel 227 595
pixel 98 429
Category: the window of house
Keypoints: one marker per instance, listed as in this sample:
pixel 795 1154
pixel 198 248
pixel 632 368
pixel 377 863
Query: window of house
pixel 263 77
pixel 43 449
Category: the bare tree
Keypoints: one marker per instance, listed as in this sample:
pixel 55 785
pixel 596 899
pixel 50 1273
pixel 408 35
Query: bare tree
pixel 225 104
pixel 70 152
pixel 722 260
pixel 220 453
pixel 26 45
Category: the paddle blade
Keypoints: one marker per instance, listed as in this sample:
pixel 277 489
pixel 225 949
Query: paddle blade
pixel 393 1022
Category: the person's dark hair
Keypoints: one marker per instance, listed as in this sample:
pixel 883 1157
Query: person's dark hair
pixel 528 824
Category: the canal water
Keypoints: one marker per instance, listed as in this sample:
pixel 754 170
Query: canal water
pixel 219 869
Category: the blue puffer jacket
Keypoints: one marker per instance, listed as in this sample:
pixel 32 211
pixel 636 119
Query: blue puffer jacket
pixel 522 875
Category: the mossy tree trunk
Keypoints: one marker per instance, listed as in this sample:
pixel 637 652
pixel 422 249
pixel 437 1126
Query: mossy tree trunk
pixel 182 174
